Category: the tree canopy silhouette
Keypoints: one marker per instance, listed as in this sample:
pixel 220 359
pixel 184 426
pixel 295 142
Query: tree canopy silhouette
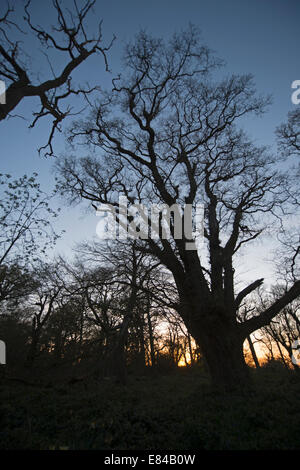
pixel 167 133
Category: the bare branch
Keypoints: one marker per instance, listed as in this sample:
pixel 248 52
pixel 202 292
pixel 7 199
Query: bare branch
pixel 71 38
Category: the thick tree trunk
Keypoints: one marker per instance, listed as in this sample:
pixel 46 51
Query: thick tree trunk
pixel 221 343
pixel 225 359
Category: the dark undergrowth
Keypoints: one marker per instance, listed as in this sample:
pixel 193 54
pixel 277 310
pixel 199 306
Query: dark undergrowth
pixel 177 411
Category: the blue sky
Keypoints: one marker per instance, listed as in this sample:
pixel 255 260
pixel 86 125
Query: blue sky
pixel 252 36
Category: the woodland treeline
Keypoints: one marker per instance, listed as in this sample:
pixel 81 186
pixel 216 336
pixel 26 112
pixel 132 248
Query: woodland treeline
pixel 111 310
pixel 96 317
pixel 111 307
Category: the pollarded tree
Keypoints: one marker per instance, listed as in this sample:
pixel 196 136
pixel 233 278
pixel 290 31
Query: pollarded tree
pixel 16 283
pixel 166 134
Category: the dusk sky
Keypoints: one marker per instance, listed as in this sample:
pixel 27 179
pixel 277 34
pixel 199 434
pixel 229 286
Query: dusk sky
pixel 260 37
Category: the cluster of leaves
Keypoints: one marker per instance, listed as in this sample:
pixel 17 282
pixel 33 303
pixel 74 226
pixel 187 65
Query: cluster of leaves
pixel 25 215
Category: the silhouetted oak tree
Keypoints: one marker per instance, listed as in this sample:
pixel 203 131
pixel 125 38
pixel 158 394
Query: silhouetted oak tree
pixel 166 133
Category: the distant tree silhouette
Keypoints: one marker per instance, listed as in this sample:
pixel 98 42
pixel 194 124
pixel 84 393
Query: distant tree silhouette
pixel 284 329
pixel 42 305
pixel 289 134
pixel 119 287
